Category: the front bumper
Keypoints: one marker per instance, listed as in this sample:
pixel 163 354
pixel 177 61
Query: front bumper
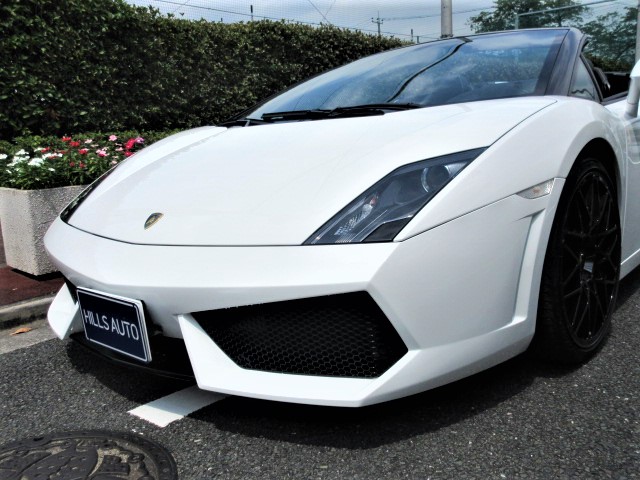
pixel 462 296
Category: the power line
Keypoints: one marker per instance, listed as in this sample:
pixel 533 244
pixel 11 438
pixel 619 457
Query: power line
pixel 318 10
pixel 433 15
pixel 174 10
pixel 266 17
pixel 220 10
pixel 330 7
pixel 358 26
pixel 547 10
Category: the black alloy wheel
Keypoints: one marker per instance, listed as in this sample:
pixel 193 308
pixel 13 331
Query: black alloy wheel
pixel 581 269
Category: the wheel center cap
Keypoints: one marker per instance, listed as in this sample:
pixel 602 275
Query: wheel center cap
pixel 587 270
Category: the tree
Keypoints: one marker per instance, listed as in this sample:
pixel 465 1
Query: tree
pixel 504 14
pixel 613 39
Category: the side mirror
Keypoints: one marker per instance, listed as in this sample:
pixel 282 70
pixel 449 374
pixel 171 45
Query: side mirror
pixel 634 92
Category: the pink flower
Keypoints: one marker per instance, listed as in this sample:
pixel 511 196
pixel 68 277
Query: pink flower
pixel 88 140
pixel 139 140
pixel 130 143
pixel 128 154
pixel 82 165
pixel 71 164
pixel 83 151
pixel 66 139
pixel 46 149
pixel 114 162
pixel 74 144
pixel 112 138
pixel 119 149
pixel 101 153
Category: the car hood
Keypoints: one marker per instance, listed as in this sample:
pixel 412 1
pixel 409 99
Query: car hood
pixel 277 184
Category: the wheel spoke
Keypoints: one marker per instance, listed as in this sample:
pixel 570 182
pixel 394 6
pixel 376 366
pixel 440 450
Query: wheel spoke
pixel 593 320
pixel 592 207
pixel 573 293
pixel 606 233
pixel 603 308
pixel 607 218
pixel 602 285
pixel 572 273
pixel 589 200
pixel 574 233
pixel 583 212
pixel 614 264
pixel 576 327
pixel 570 251
pixel 605 202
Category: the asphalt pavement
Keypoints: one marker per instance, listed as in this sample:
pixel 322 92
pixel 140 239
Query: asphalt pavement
pixel 520 420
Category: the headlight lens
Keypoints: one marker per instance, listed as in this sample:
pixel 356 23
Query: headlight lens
pixel 381 212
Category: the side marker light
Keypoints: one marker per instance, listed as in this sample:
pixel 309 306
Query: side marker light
pixel 537 191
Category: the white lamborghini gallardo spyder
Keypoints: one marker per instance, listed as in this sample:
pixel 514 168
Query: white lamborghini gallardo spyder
pixel 384 228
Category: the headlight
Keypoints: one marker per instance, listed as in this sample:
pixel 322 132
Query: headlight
pixel 381 212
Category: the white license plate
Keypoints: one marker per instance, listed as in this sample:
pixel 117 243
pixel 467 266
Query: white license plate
pixel 115 322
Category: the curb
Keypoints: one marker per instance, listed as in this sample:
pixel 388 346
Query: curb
pixel 24 312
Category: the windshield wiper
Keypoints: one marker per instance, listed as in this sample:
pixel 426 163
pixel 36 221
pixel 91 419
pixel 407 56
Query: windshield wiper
pixel 295 115
pixel 350 111
pixel 242 122
pixel 376 106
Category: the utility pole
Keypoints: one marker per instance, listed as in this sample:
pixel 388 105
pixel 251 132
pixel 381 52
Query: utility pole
pixel 252 12
pixel 412 32
pixel 379 21
pixel 446 19
pixel 638 35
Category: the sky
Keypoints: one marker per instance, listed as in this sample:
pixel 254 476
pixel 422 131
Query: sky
pixel 399 17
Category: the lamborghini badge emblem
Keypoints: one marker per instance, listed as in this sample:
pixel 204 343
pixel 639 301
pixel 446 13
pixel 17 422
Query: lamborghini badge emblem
pixel 152 220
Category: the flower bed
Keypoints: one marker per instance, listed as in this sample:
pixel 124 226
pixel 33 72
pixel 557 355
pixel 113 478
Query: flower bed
pixel 48 162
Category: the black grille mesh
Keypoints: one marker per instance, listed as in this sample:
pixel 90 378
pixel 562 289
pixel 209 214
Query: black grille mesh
pixel 340 336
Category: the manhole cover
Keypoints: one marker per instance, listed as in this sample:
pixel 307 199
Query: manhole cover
pixel 90 455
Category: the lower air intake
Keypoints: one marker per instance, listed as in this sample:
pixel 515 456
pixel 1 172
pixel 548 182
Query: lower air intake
pixel 338 336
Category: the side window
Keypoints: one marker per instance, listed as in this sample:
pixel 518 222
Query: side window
pixel 582 85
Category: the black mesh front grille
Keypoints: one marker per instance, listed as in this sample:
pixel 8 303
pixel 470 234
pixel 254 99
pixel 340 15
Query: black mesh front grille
pixel 338 336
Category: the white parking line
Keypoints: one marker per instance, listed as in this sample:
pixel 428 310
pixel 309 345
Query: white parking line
pixel 173 407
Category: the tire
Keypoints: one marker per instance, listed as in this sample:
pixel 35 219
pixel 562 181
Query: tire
pixel 581 268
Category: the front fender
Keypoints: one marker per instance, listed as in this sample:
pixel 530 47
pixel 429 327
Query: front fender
pixel 542 147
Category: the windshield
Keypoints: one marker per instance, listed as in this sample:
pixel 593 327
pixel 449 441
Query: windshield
pixel 449 71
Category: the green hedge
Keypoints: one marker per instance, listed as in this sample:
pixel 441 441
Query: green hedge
pixel 99 65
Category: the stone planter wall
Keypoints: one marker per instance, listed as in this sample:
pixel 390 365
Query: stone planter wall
pixel 25 216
